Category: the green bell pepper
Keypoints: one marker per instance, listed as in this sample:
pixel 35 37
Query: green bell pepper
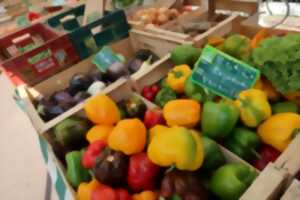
pixel 243 143
pixel 164 96
pixel 75 171
pixel 230 181
pixel 196 92
pixel 218 119
pixel 283 107
pixel 213 157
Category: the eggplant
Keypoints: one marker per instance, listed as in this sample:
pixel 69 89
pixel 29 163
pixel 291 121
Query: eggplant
pixel 47 110
pixel 134 65
pixel 135 107
pixel 63 99
pixel 81 96
pixel 79 82
pixel 116 70
pixel 95 75
pixel 144 54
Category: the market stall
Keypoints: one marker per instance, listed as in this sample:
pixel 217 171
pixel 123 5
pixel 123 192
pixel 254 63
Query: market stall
pixel 148 110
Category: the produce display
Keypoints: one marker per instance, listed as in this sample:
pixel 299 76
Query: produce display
pixel 119 152
pixel 158 16
pixel 261 121
pixel 82 86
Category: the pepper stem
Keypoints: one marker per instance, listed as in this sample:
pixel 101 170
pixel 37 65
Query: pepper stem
pixel 171 168
pixel 295 132
pixel 254 152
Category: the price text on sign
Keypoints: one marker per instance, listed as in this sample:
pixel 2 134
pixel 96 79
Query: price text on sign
pixel 223 74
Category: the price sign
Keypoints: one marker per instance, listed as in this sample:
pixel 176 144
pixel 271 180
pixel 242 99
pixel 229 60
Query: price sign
pixel 223 74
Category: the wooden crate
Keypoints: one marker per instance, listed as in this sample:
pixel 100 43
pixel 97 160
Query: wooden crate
pixel 293 192
pixel 56 167
pixel 127 47
pixel 267 186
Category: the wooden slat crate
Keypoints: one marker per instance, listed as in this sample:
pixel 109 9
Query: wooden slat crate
pixel 267 186
pixel 127 47
pixel 293 192
pixel 56 166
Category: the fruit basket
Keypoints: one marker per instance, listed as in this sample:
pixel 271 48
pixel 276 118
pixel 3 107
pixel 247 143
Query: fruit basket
pixel 153 87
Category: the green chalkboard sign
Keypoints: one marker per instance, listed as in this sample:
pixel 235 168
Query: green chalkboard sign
pixel 223 74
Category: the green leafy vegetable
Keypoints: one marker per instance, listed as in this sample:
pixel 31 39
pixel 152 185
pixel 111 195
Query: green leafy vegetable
pixel 279 59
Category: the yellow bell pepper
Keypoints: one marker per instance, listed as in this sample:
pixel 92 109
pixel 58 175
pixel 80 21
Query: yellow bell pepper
pixel 254 107
pixel 85 190
pixel 156 129
pixel 177 146
pixel 177 76
pixel 279 130
pixel 101 109
pixel 182 112
pixel 99 132
pixel 128 136
pixel 146 195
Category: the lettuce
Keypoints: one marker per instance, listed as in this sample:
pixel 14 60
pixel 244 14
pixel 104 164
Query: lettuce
pixel 279 61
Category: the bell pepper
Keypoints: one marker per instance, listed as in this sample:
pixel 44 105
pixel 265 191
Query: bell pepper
pixel 153 117
pixel 259 36
pixel 149 92
pixel 213 157
pixel 270 91
pixel 145 195
pixel 141 172
pixel 182 112
pixel 283 107
pixel 135 107
pixel 184 148
pixel 182 185
pixel 165 95
pixel 98 132
pixel 177 76
pixel 279 130
pixel 111 168
pixel 101 109
pixel 230 181
pixel 85 190
pixel 266 154
pixel 75 171
pixel 243 142
pixel 92 152
pixel 254 107
pixel 128 136
pixel 107 193
pixel 156 129
pixel 218 119
pixel 196 92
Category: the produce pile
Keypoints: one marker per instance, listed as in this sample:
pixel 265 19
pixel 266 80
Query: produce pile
pixel 158 16
pixel 127 150
pixel 82 86
pixel 261 122
pixel 132 152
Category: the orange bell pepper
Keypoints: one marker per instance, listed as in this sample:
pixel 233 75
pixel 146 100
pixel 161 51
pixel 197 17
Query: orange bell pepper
pixel 85 190
pixel 146 195
pixel 98 132
pixel 129 136
pixel 103 110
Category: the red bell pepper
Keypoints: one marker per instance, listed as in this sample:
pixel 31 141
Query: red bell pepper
pixel 107 193
pixel 153 117
pixel 149 92
pixel 267 154
pixel 141 172
pixel 92 152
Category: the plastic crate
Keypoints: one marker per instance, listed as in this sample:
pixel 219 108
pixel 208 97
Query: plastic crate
pixel 88 39
pixel 42 62
pixel 24 40
pixel 69 25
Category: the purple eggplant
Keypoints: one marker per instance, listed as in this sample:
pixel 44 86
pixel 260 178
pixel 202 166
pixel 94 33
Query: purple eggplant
pixel 79 82
pixel 63 99
pixel 81 96
pixel 47 110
